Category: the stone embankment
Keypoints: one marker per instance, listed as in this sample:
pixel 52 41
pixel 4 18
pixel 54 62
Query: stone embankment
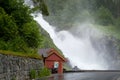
pixel 17 68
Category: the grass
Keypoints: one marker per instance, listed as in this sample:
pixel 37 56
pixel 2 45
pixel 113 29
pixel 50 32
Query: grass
pixel 26 55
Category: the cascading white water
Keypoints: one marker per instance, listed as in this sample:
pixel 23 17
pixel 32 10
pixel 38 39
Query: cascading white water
pixel 79 49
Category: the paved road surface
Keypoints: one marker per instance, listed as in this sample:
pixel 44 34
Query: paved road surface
pixel 86 76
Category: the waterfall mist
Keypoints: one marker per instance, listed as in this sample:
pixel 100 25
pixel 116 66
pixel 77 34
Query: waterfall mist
pixel 79 50
pixel 80 41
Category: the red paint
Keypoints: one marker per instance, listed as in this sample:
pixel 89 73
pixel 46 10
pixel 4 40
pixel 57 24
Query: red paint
pixel 53 57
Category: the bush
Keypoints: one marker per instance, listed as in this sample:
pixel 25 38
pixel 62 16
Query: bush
pixel 33 74
pixel 41 73
pixel 14 78
pixel 44 72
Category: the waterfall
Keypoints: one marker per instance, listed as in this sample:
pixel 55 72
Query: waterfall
pixel 79 49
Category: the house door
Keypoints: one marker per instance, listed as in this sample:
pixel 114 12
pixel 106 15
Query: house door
pixel 56 64
pixel 55 68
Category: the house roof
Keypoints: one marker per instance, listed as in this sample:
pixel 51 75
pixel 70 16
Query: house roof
pixel 49 51
pixel 44 52
pixel 55 52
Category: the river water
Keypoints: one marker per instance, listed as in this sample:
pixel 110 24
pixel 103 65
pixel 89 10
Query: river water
pixel 85 76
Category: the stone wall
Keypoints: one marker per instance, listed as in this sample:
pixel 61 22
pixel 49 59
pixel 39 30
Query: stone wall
pixel 17 68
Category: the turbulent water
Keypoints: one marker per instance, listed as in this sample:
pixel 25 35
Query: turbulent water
pixel 80 49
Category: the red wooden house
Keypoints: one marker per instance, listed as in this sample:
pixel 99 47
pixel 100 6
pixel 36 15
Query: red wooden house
pixel 53 60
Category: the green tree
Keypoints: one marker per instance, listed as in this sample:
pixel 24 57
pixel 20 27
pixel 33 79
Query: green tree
pixel 8 27
pixel 41 6
pixel 31 34
pixel 18 30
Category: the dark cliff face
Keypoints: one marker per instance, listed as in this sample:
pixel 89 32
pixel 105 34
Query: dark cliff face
pixel 18 68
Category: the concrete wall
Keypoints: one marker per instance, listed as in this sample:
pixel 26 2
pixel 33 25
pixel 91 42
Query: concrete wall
pixel 17 67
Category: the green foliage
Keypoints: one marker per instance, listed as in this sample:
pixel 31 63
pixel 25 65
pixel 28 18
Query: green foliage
pixel 8 28
pixel 117 23
pixel 104 16
pixel 16 44
pixel 33 74
pixel 44 72
pixel 2 10
pixel 40 5
pixel 41 73
pixel 103 12
pixel 14 78
pixel 22 15
pixel 31 34
pixel 44 9
pixel 18 30
pixel 112 5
